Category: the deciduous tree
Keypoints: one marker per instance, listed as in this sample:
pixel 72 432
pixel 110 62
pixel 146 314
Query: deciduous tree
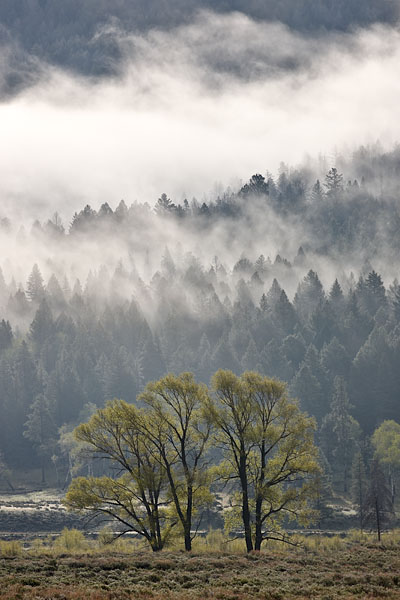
pixel 179 435
pixel 268 448
pixel 136 493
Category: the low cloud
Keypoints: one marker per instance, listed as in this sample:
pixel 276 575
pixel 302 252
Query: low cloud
pixel 214 101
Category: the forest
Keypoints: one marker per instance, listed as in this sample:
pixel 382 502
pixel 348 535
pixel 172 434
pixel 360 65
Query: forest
pixel 69 346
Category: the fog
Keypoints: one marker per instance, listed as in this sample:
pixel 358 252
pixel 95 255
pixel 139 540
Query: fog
pixel 214 101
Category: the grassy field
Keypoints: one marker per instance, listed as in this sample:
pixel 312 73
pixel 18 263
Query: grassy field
pixel 326 569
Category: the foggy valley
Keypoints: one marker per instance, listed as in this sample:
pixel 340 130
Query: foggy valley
pixel 199 284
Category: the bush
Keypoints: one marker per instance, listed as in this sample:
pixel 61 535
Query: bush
pixel 216 541
pixel 105 537
pixel 10 549
pixel 71 540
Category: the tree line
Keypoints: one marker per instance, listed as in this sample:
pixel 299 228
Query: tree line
pixel 337 214
pixel 337 350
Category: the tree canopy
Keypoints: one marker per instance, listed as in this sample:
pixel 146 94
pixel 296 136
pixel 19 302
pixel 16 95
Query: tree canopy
pixel 160 465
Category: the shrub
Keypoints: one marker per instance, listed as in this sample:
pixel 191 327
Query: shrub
pixel 105 537
pixel 10 549
pixel 216 541
pixel 71 540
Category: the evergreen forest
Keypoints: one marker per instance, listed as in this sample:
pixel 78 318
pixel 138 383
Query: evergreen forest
pixel 186 287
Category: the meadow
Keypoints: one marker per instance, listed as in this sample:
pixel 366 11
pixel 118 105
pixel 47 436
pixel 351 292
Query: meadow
pixel 70 567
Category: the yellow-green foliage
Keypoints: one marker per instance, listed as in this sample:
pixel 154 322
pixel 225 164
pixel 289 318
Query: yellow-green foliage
pixel 161 450
pixel 321 544
pixel 71 540
pixel 215 542
pixel 10 549
pixel 386 441
pixel 106 542
pixel 105 537
pixel 267 443
pixel 38 547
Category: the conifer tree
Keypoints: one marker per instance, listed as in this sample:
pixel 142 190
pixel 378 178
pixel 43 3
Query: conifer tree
pixel 333 183
pixel 359 486
pixel 340 432
pixel 6 335
pixel 35 288
pixel 41 430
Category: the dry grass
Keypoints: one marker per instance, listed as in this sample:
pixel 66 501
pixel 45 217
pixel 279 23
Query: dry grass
pixel 324 568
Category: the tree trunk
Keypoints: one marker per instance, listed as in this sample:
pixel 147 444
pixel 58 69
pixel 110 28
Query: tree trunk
pixel 245 505
pixel 361 504
pixel 43 470
pixel 392 486
pixel 188 521
pixel 185 521
pixel 156 546
pixel 259 500
pixel 258 540
pixel 188 539
pixel 158 530
pixel 378 520
pixel 10 485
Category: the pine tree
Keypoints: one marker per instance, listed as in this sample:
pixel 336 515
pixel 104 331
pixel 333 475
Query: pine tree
pixel 42 326
pixel 300 258
pixel 335 359
pixel 336 297
pixel 333 183
pixel 225 356
pixel 323 323
pixel 274 362
pixel 375 294
pixel 306 388
pixel 257 186
pixel 18 304
pixel 164 205
pixel 35 288
pixel 359 486
pixel 41 430
pixel 55 294
pixel 284 313
pixel 294 348
pixel 263 303
pixel 324 489
pixel 340 432
pixel 251 358
pixel 121 212
pixel 396 303
pixel 309 294
pixel 317 192
pixel 261 266
pixel 204 362
pixel 274 294
pixel 5 472
pixel 6 335
pixel 167 264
